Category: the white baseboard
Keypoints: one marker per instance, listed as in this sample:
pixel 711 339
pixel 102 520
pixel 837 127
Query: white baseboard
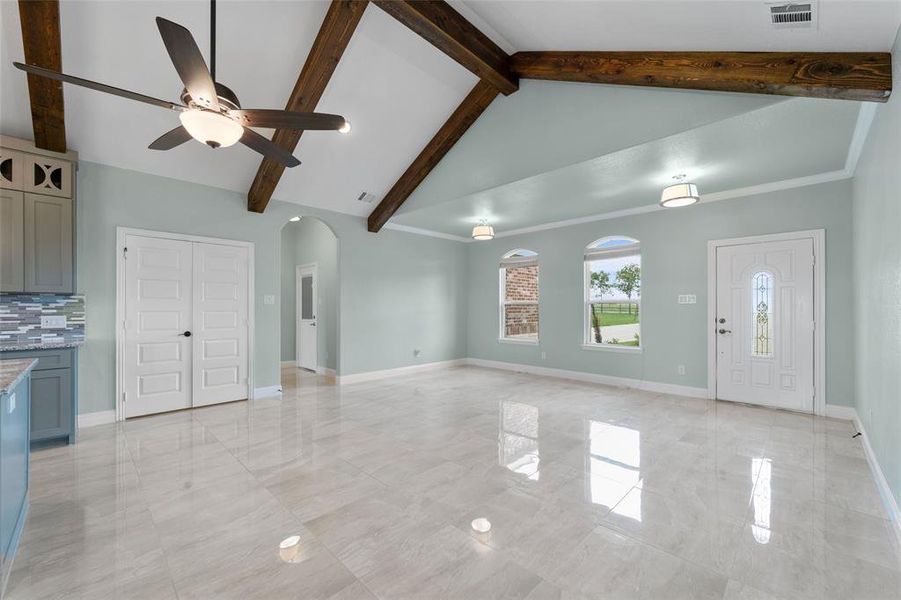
pixel 888 498
pixel 837 411
pixel 374 375
pixel 326 371
pixel 289 363
pixel 96 418
pixel 267 392
pixel 648 386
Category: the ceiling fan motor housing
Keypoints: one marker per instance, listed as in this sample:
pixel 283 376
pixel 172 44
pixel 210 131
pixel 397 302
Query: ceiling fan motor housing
pixel 227 98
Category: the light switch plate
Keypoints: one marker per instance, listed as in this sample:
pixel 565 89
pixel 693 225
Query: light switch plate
pixel 54 322
pixel 268 299
pixel 687 299
pixel 12 403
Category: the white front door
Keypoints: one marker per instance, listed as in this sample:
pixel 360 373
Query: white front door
pixel 307 346
pixel 765 324
pixel 157 374
pixel 220 323
pixel 186 324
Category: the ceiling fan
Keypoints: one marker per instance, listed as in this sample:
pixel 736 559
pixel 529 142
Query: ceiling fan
pixel 210 112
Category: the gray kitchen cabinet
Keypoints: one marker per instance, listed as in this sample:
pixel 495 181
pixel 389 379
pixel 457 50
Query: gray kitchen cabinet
pixel 12 247
pixel 48 265
pixel 53 393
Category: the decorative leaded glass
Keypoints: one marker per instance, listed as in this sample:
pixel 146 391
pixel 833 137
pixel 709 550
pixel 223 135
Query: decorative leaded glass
pixel 762 314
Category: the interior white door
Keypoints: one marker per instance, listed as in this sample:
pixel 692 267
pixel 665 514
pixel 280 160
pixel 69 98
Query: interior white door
pixel 157 369
pixel 220 356
pixel 307 344
pixel 765 324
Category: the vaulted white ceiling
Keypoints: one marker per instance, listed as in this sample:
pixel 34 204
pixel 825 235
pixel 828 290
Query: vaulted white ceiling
pixel 397 90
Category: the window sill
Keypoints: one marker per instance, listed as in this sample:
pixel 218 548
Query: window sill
pixel 612 348
pixel 517 342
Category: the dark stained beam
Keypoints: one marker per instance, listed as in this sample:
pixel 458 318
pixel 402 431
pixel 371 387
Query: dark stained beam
pixel 446 29
pixel 863 76
pixel 41 41
pixel 452 130
pixel 340 22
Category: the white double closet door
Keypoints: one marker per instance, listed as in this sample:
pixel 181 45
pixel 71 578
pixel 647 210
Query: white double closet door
pixel 186 324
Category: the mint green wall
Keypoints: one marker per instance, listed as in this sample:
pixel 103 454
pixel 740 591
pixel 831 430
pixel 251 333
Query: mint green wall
pixel 674 261
pixel 306 242
pixel 877 284
pixel 399 291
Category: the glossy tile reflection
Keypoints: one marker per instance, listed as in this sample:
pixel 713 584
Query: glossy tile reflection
pixel 377 490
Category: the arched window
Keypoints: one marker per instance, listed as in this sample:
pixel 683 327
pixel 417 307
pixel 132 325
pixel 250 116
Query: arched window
pixel 519 297
pixel 613 293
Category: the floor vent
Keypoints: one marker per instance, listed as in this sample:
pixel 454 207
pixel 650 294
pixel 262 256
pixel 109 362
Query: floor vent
pixel 793 16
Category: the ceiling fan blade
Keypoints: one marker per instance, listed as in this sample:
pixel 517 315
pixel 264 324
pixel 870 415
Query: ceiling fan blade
pixel 189 63
pixel 255 141
pixel 100 87
pixel 286 119
pixel 171 139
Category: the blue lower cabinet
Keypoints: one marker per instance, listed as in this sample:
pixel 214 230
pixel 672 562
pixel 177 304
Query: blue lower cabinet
pixel 14 448
pixel 54 403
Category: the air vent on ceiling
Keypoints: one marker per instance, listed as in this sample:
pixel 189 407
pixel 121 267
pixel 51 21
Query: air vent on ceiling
pixel 793 15
pixel 366 197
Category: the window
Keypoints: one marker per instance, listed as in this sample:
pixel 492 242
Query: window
pixel 762 314
pixel 519 297
pixel 613 293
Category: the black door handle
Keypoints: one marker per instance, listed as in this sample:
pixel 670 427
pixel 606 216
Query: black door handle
pixel 186 334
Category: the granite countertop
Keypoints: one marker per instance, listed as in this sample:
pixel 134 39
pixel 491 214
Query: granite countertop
pixel 36 345
pixel 12 372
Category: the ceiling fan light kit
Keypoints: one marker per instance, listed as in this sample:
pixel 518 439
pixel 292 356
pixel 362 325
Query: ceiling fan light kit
pixel 210 112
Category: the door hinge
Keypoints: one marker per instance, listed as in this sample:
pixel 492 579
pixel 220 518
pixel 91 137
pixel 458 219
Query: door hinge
pixel 124 396
pixel 125 252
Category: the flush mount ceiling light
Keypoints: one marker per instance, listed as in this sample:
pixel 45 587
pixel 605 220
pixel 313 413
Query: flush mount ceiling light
pixel 294 219
pixel 481 525
pixel 211 128
pixel 483 231
pixel 679 194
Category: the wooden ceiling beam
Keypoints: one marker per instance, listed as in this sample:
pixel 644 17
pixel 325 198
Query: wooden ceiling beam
pixel 446 29
pixel 43 48
pixel 453 129
pixel 337 28
pixel 865 76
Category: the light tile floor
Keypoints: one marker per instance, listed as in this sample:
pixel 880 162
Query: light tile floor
pixel 592 492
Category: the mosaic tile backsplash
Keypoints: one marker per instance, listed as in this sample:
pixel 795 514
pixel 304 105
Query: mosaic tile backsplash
pixel 20 319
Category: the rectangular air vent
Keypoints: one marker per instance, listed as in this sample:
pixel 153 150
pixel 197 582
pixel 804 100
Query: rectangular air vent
pixel 793 16
pixel 366 197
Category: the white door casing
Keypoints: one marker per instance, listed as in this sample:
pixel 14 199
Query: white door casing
pixel 157 313
pixel 765 312
pixel 307 326
pixel 220 323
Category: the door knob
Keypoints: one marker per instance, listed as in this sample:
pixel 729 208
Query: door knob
pixel 186 334
pixel 724 331
pixel 312 324
pixel 721 320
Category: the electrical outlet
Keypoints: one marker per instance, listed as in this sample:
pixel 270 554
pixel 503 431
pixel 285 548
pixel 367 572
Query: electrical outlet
pixel 681 369
pixel 53 322
pixel 544 356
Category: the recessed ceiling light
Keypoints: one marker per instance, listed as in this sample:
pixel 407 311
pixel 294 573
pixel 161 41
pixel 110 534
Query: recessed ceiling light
pixel 679 194
pixel 481 525
pixel 294 219
pixel 345 128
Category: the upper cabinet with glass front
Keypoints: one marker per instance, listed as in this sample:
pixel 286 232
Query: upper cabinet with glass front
pixel 36 205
